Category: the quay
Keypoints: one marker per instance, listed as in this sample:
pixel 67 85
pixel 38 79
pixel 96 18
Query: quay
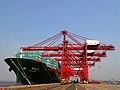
pixel 58 86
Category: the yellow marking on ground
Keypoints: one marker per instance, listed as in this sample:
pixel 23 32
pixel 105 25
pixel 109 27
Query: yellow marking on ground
pixel 76 87
pixel 81 85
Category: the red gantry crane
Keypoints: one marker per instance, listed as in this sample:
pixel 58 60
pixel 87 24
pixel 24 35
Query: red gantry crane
pixel 75 53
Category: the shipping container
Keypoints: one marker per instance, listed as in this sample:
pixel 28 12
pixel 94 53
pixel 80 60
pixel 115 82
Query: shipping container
pixel 36 55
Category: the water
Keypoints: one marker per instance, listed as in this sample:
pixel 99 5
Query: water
pixel 7 83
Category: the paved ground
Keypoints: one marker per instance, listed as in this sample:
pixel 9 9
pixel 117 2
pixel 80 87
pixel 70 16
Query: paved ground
pixel 102 87
pixel 58 86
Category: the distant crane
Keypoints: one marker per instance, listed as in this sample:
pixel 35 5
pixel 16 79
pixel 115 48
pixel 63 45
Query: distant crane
pixel 75 53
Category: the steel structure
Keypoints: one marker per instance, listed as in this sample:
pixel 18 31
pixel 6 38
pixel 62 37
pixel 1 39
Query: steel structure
pixel 75 57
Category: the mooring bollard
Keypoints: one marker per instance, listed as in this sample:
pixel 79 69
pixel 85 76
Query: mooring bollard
pixel 0 88
pixel 26 86
pixel 18 87
pixel 30 87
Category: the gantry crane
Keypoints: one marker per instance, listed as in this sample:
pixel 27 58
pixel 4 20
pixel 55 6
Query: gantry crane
pixel 75 53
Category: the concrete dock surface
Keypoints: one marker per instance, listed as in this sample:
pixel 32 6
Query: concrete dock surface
pixel 58 86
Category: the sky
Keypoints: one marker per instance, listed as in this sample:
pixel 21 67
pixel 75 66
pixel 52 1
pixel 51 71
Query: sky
pixel 27 22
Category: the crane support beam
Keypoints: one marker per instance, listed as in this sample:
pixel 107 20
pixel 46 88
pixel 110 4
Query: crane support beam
pixel 91 64
pixel 69 47
pixel 106 47
pixel 79 59
pixel 94 59
pixel 59 55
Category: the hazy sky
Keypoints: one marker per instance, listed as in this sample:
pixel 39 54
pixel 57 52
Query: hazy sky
pixel 27 22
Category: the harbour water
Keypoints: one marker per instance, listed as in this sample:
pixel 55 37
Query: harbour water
pixel 7 83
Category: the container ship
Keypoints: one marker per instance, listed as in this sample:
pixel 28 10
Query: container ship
pixel 32 68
